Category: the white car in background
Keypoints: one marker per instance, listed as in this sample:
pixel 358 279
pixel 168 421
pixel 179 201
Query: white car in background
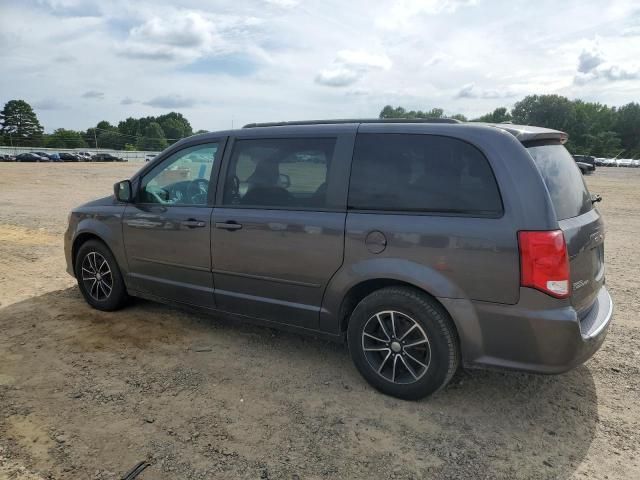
pixel 624 162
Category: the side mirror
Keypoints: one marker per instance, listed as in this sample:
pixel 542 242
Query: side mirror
pixel 284 181
pixel 123 191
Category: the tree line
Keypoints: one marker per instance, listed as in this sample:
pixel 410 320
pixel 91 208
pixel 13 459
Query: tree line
pixel 20 127
pixel 593 128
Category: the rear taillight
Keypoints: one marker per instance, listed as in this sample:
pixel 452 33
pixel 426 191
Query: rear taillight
pixel 544 263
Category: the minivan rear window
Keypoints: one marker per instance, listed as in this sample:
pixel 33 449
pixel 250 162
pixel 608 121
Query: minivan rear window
pixel 422 173
pixel 569 193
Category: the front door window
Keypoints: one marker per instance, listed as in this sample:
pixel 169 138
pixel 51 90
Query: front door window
pixel 182 179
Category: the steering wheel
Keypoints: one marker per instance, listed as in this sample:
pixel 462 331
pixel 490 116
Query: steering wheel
pixel 155 195
pixel 197 191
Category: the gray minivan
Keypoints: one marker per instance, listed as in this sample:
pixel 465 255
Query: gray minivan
pixel 424 244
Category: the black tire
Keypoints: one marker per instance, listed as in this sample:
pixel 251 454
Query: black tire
pixel 94 293
pixel 439 354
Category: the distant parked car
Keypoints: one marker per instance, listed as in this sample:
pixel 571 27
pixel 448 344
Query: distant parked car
pixel 106 157
pixel 588 163
pixel 585 168
pixel 31 157
pixel 7 158
pixel 625 162
pixel 53 156
pixel 84 156
pixel 149 156
pixel 69 157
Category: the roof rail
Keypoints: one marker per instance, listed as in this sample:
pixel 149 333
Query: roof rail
pixel 353 120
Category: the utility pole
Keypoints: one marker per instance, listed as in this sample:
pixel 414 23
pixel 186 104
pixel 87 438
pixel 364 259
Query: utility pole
pixel 95 137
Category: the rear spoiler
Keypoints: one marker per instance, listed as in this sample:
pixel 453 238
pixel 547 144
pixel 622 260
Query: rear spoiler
pixel 527 134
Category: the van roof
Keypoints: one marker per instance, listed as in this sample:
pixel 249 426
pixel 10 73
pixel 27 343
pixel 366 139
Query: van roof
pixel 524 133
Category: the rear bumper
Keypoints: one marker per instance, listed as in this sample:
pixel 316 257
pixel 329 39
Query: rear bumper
pixel 535 335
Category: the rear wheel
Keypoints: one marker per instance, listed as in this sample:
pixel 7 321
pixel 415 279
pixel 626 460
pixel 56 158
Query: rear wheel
pixel 99 277
pixel 403 343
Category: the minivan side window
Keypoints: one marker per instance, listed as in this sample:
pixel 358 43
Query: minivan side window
pixel 182 179
pixel 276 172
pixel 421 173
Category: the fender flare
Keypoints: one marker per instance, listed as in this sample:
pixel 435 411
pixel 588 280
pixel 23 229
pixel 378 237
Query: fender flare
pixel 381 269
pixel 113 240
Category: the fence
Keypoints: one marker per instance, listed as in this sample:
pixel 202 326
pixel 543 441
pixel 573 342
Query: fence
pixel 130 156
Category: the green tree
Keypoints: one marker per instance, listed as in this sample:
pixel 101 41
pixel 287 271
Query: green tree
pixel 62 138
pixel 111 139
pixel 175 126
pixel 499 115
pixel 201 131
pixel 104 125
pixel 130 127
pixel 627 126
pixel 389 112
pixel 593 128
pixel 399 112
pixel 153 138
pixel 459 116
pixel 19 123
pixel 551 111
pixel 173 129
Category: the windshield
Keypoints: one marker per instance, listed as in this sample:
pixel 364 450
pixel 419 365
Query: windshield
pixel 569 194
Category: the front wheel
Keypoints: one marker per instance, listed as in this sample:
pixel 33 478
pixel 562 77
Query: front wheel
pixel 99 277
pixel 403 343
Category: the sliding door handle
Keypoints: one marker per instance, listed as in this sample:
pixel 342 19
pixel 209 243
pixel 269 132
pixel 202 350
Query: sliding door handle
pixel 231 225
pixel 192 223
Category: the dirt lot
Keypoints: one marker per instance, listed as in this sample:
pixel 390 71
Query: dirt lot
pixel 86 395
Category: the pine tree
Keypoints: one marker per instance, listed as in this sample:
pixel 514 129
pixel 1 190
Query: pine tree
pixel 20 124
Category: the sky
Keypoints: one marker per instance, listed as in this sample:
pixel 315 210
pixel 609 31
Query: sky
pixel 226 63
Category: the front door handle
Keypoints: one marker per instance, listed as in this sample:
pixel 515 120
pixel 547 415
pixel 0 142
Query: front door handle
pixel 192 223
pixel 231 225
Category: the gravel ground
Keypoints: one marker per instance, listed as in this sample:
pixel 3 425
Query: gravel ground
pixel 87 395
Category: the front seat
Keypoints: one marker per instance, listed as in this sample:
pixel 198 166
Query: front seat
pixel 263 188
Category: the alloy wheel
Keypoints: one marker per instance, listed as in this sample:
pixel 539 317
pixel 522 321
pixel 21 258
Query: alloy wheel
pixel 96 276
pixel 396 347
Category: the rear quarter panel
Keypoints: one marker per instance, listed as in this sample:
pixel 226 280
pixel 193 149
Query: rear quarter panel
pixel 449 256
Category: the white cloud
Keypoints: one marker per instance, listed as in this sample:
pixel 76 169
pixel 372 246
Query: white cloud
pixel 337 76
pixel 172 101
pixel 187 35
pixel 350 65
pixel 283 3
pixel 360 59
pixel 593 67
pixel 403 12
pixel 463 56
pixel 49 104
pixel 632 31
pixel 436 59
pixel 471 91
